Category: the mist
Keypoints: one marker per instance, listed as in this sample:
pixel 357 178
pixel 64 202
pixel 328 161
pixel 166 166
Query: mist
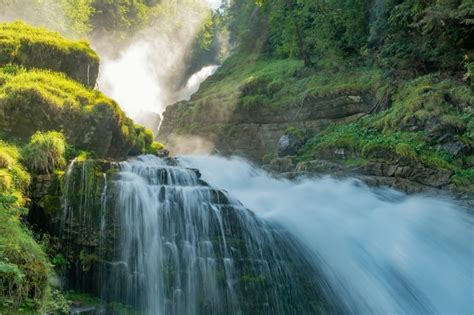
pixel 148 72
pixel 143 78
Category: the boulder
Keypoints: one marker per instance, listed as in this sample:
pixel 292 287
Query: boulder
pixel 289 144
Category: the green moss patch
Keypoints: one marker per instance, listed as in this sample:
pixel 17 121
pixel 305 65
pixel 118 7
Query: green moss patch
pixel 41 100
pixel 34 47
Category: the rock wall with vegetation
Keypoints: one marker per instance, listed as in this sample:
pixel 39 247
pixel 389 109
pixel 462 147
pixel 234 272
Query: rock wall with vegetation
pixel 43 99
pixel 379 89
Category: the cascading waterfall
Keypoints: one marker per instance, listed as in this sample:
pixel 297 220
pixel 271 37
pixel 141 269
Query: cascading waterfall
pixel 382 252
pixel 180 246
pixel 169 243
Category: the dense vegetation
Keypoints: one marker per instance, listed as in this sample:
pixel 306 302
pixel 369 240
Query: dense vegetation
pixel 413 36
pixel 414 58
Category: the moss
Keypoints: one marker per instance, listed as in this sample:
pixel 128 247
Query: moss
pixel 24 267
pixel 406 151
pixel 35 47
pixel 401 131
pixel 5 180
pixel 89 120
pixel 426 97
pixel 376 150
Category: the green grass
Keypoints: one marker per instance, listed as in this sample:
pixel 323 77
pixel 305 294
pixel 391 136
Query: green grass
pixel 45 152
pixel 245 80
pixel 35 47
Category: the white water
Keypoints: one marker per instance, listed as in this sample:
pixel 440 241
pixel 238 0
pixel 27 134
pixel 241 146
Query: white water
pixel 186 248
pixel 383 252
pixel 195 81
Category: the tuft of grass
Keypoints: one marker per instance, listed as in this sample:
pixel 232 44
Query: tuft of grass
pixel 45 152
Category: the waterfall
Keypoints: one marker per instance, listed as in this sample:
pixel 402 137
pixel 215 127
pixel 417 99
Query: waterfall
pixel 168 243
pixel 382 252
pixel 159 235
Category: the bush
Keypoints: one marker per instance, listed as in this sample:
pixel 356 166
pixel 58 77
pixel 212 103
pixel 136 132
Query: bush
pixel 45 152
pixel 24 267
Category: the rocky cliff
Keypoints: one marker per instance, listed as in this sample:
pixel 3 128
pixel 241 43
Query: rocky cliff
pixel 253 132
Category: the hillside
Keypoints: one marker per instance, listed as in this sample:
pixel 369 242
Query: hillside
pixel 370 95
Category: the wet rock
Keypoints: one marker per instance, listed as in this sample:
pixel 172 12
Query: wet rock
pixel 196 171
pixel 433 178
pixel 282 165
pixel 455 148
pixel 319 166
pixel 289 145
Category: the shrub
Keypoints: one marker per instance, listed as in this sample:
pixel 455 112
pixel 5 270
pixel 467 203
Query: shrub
pixel 157 146
pixel 45 152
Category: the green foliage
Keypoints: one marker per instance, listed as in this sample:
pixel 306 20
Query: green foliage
pixel 427 100
pixel 408 36
pixel 24 267
pixel 427 35
pixel 401 132
pixel 34 47
pixel 45 152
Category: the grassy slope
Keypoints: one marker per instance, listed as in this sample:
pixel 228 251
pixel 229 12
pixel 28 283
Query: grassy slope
pixel 68 104
pixel 35 47
pixel 251 81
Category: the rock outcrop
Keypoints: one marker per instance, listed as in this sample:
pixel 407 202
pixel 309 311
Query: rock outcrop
pixel 254 131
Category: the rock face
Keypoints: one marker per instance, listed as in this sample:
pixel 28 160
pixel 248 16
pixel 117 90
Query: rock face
pixel 398 173
pixel 254 131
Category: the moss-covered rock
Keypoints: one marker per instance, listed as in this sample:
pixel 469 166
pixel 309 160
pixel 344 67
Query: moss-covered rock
pixel 41 100
pixel 34 47
pixel 426 136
